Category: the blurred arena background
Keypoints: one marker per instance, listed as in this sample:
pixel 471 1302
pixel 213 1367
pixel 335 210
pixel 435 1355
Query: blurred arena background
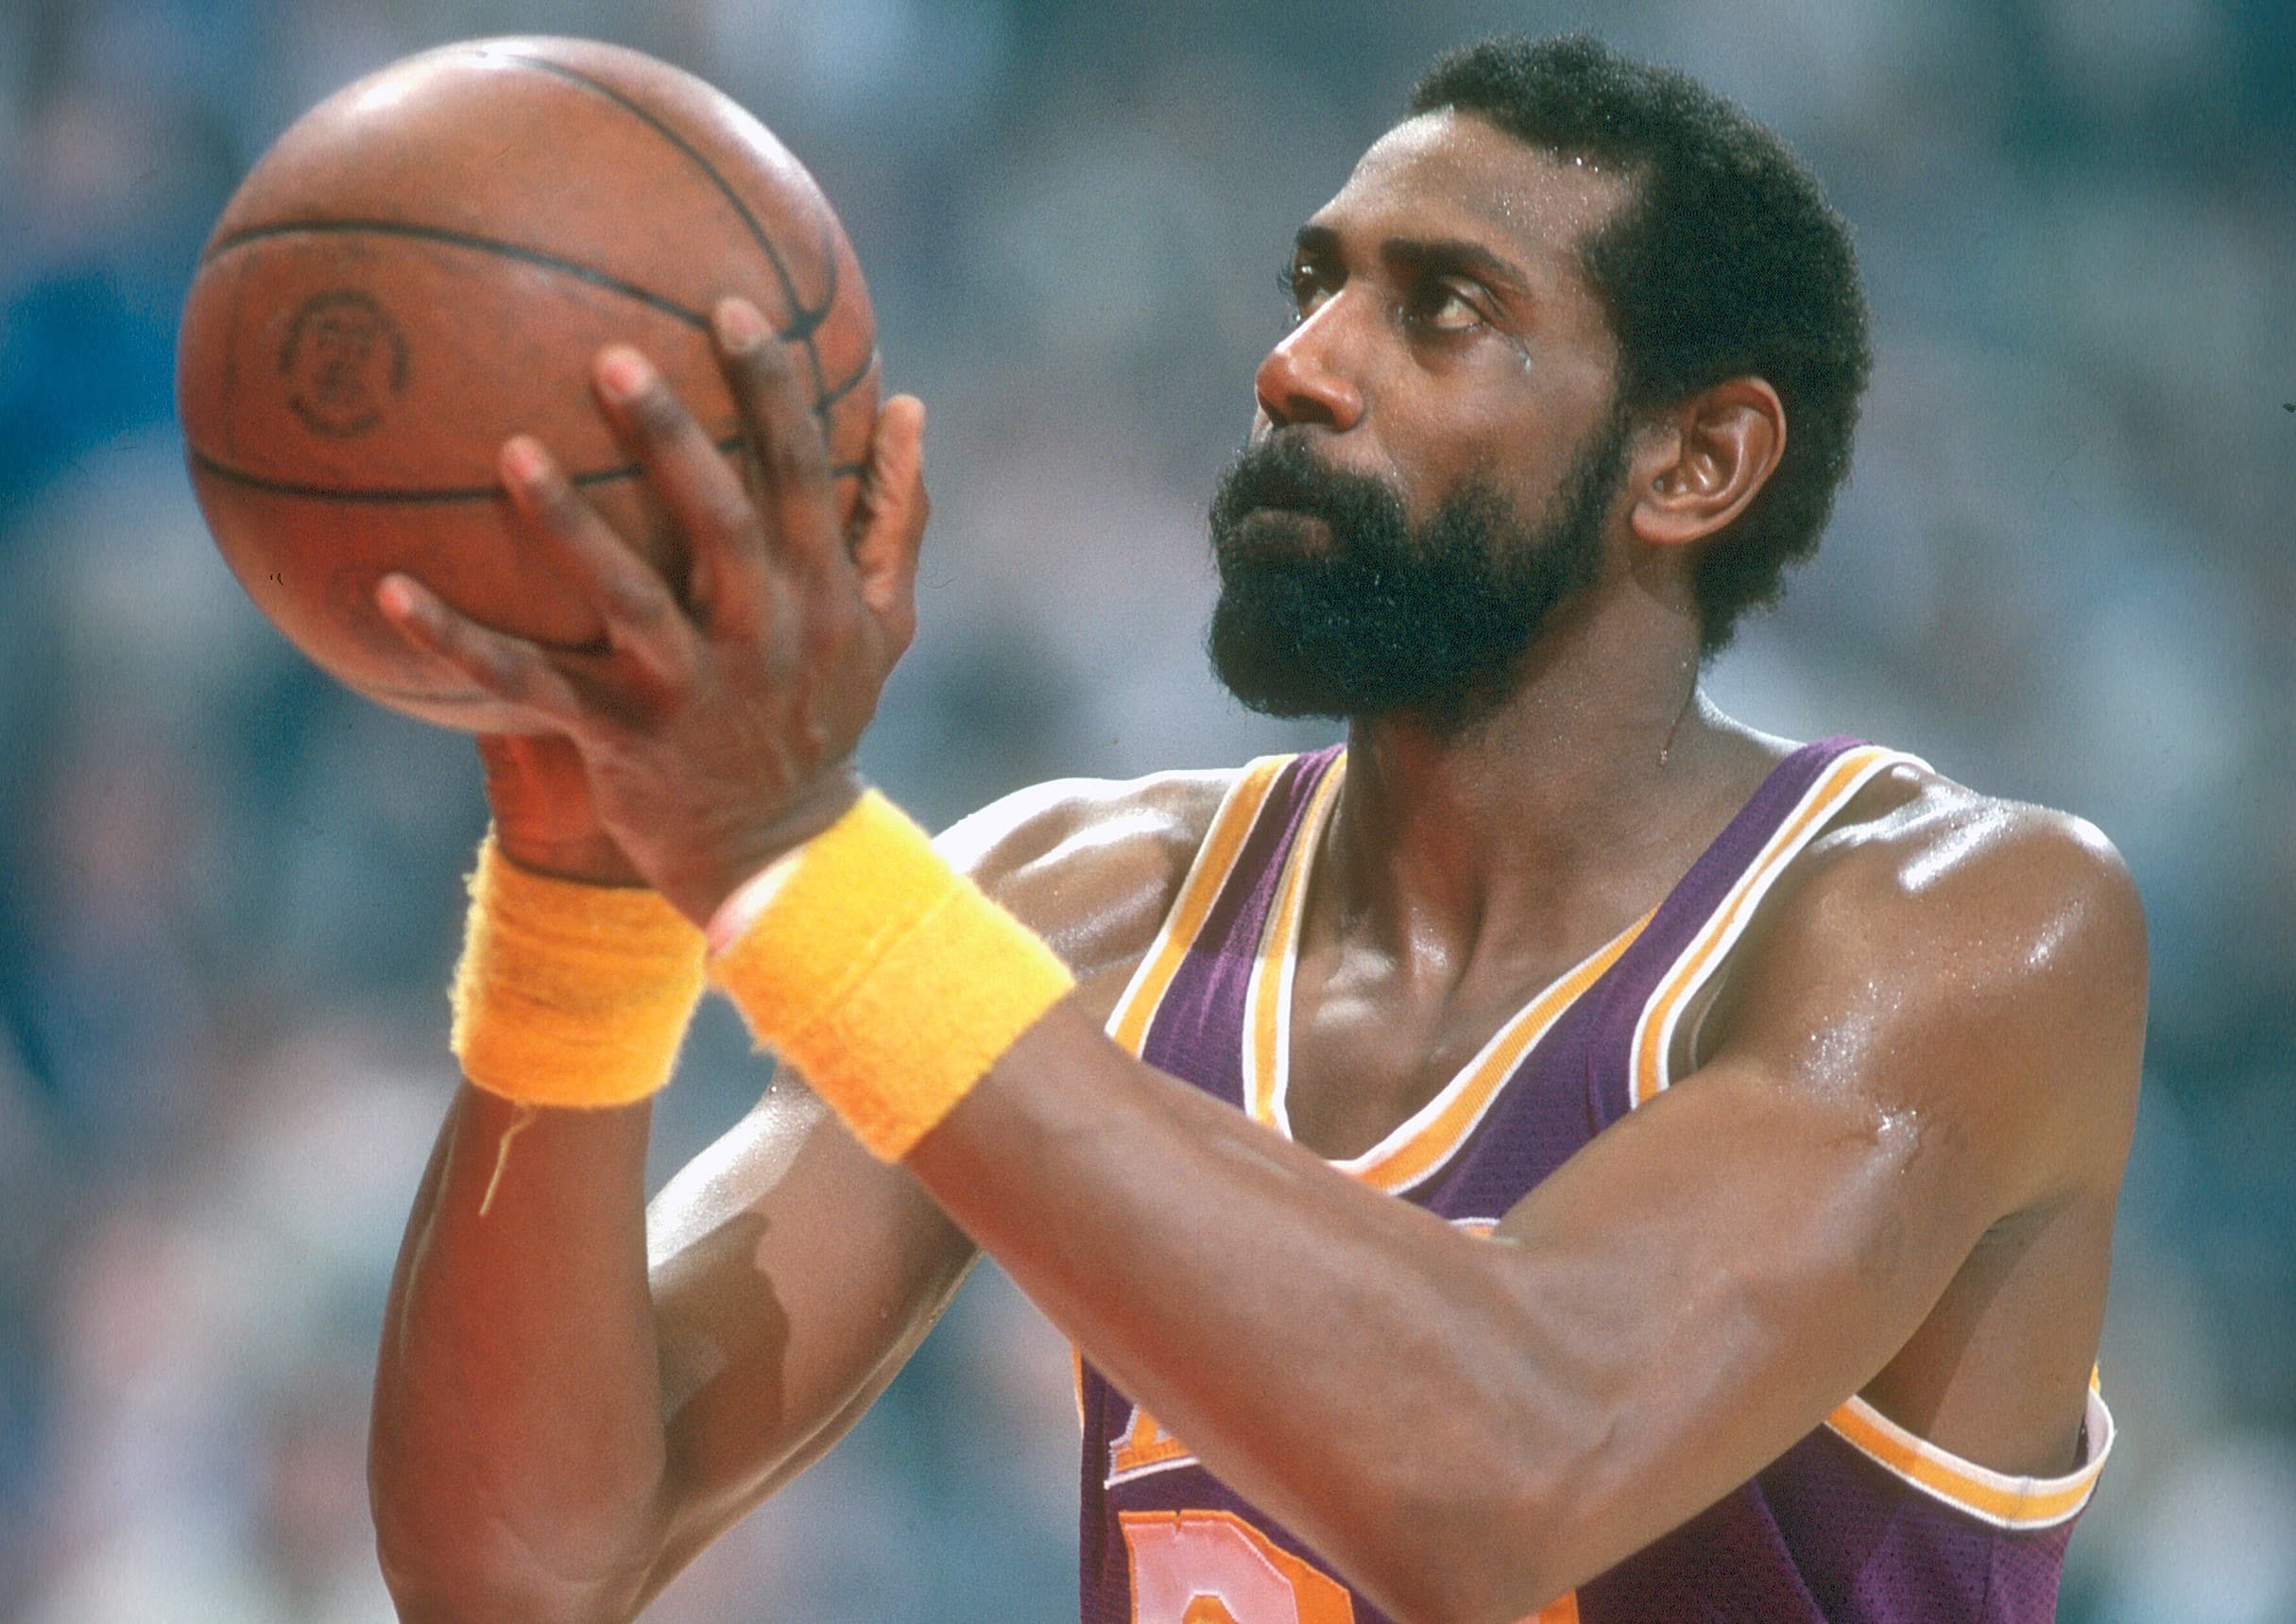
pixel 229 891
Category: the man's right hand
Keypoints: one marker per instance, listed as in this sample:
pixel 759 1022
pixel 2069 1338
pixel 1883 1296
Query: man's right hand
pixel 543 819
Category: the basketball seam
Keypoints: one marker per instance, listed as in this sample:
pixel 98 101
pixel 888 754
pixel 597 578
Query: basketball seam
pixel 804 320
pixel 470 240
pixel 412 494
pixel 837 392
pixel 824 400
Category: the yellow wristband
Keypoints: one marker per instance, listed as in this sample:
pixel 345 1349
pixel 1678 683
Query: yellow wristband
pixel 885 977
pixel 571 994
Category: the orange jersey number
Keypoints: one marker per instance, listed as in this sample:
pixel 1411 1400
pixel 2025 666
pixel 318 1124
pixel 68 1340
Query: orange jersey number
pixel 1213 1568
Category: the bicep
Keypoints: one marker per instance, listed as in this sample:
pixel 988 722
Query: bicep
pixel 1711 1277
pixel 1910 1063
pixel 793 1274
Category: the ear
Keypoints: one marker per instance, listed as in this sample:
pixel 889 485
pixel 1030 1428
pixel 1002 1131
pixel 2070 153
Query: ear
pixel 1704 460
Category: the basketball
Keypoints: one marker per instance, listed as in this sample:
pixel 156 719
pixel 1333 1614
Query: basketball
pixel 425 264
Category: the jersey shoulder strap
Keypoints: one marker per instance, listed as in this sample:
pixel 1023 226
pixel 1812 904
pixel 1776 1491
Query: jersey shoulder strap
pixel 1655 985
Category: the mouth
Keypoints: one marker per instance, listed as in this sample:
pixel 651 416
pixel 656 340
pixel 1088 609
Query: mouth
pixel 1276 539
pixel 1285 529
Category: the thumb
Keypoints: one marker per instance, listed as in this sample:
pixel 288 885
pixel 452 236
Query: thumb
pixel 893 531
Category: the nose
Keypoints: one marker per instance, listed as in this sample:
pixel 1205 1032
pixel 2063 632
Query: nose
pixel 1302 382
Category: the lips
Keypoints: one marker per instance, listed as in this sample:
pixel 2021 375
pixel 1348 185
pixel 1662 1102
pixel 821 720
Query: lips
pixel 1280 509
pixel 1271 530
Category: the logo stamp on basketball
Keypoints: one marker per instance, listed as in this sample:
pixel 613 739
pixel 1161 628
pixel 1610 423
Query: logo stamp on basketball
pixel 344 361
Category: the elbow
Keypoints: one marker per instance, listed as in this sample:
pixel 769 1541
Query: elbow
pixel 460 1588
pixel 453 1547
pixel 1483 1535
pixel 467 1604
pixel 463 1568
pixel 1488 1562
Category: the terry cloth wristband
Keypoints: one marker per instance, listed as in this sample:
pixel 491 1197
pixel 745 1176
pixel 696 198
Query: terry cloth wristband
pixel 571 994
pixel 882 974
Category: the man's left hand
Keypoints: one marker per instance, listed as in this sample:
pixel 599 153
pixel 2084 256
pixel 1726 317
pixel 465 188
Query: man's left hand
pixel 717 730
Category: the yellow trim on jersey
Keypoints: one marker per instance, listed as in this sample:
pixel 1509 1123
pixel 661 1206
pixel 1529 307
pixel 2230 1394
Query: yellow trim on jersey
pixel 1427 1139
pixel 1146 1446
pixel 2007 1502
pixel 1208 876
pixel 1267 1001
pixel 2004 1501
pixel 1230 825
pixel 1654 1039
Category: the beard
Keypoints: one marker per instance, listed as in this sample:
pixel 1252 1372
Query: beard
pixel 1388 618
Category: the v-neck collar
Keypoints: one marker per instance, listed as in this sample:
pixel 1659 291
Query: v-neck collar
pixel 1431 1136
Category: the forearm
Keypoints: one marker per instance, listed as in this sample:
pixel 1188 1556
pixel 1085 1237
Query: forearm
pixel 1464 1429
pixel 1347 1362
pixel 517 1450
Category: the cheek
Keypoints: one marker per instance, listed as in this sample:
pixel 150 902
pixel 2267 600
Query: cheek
pixel 1510 419
pixel 1461 445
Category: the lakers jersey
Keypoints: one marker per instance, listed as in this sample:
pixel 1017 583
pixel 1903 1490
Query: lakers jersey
pixel 1860 1521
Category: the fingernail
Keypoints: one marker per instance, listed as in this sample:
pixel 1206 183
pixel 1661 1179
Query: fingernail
pixel 524 462
pixel 394 598
pixel 624 372
pixel 739 326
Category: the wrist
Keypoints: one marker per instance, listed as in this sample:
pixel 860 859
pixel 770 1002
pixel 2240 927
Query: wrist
pixel 702 892
pixel 568 993
pixel 882 975
pixel 544 822
pixel 593 859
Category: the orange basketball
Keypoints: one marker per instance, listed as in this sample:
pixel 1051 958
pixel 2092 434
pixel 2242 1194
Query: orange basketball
pixel 424 265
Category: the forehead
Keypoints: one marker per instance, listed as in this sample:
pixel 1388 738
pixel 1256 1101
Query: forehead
pixel 1451 175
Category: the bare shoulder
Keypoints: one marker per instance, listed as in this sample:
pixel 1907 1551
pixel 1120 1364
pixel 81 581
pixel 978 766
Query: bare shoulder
pixel 1917 853
pixel 1091 865
pixel 1983 957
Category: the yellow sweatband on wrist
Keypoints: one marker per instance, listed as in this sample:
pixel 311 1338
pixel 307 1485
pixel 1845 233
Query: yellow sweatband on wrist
pixel 885 977
pixel 571 994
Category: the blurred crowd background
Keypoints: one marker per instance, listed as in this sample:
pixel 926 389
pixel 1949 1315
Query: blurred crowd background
pixel 229 891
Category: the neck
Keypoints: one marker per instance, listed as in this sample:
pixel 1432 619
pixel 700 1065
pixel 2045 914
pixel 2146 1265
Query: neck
pixel 1601 775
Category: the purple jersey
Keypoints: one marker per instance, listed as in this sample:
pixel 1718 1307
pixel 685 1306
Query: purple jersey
pixel 1860 1521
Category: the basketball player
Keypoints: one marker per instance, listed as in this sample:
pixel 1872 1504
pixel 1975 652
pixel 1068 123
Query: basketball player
pixel 1566 1154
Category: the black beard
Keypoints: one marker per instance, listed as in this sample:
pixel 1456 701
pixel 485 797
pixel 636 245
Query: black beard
pixel 1386 618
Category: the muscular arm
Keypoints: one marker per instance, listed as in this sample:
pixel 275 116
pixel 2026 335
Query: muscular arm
pixel 1938 1038
pixel 575 1395
pixel 1939 1032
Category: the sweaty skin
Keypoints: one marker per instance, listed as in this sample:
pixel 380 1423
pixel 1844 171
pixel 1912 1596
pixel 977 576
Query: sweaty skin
pixel 1888 1167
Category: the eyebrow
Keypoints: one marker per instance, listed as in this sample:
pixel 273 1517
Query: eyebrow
pixel 1427 256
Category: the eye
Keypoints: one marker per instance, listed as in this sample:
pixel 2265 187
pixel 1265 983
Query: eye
pixel 1304 286
pixel 1441 305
